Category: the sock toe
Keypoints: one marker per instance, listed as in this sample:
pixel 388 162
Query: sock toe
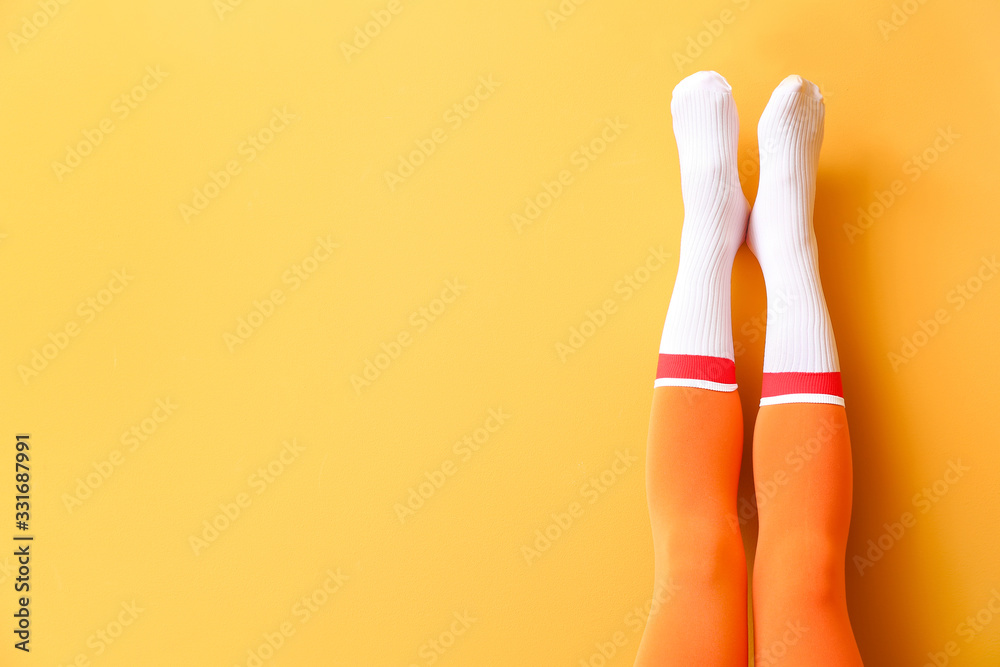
pixel 705 80
pixel 796 84
pixel 792 120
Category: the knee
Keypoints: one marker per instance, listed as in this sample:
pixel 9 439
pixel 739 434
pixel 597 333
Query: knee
pixel 806 570
pixel 706 550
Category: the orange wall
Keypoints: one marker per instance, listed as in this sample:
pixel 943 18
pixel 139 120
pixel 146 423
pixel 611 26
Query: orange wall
pixel 474 306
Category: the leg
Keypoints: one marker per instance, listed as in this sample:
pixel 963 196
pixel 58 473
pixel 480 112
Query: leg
pixel 801 449
pixel 799 603
pixel 696 428
pixel 692 472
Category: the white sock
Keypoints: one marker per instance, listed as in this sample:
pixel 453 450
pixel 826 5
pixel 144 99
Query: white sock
pixel 696 349
pixel 800 353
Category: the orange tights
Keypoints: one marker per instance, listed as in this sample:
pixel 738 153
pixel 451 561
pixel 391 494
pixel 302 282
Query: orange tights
pixel 802 470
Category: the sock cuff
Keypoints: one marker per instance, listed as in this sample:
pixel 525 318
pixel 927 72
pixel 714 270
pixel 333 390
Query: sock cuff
pixel 779 388
pixel 695 370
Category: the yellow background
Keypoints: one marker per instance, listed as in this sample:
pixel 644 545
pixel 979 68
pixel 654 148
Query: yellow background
pixel 334 507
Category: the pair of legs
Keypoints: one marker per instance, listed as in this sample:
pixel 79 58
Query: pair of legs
pixel 801 446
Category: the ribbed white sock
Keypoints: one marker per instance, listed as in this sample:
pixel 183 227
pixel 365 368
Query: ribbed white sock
pixel 800 353
pixel 696 349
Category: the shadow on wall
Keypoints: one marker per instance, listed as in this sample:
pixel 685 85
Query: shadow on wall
pixel 888 605
pixel 749 320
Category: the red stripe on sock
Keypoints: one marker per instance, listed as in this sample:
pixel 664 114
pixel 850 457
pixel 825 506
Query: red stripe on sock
pixel 696 367
pixel 778 384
